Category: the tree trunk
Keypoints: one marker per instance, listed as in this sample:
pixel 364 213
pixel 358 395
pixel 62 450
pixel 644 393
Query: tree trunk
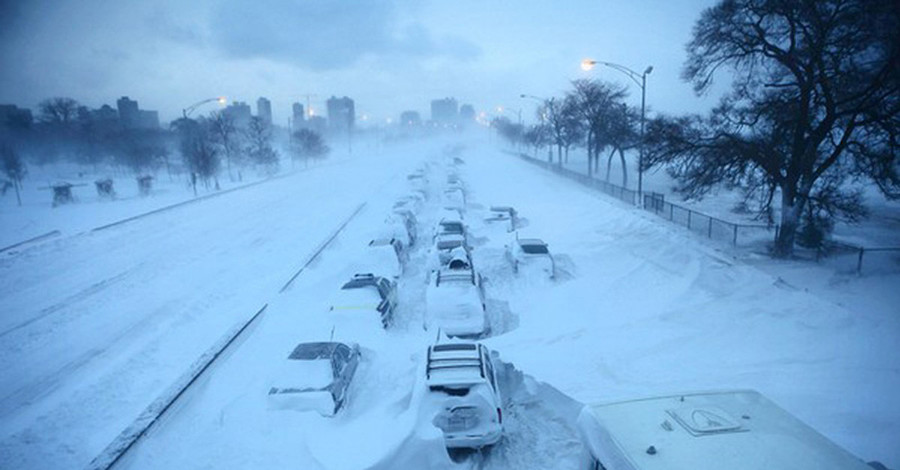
pixel 609 164
pixel 559 154
pixel 16 185
pixel 624 169
pixel 791 208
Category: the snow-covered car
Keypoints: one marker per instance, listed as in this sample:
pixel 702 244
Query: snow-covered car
pixel 450 234
pixel 455 197
pixel 459 259
pixel 404 225
pixel 735 430
pixel 471 408
pixel 367 294
pixel 384 255
pixel 454 302
pixel 503 215
pixel 531 254
pixel 315 378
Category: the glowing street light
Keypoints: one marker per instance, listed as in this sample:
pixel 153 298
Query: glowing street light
pixel 587 65
pixel 187 111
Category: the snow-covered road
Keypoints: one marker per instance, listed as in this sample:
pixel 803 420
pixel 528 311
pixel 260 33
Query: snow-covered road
pixel 95 326
pixel 640 308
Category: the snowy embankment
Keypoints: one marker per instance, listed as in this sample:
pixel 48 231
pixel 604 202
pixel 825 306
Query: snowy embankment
pixel 880 229
pixel 650 309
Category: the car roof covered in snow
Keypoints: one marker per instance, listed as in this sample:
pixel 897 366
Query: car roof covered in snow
pixel 736 430
pixel 454 363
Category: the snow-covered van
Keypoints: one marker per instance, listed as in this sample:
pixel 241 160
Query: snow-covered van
pixel 734 430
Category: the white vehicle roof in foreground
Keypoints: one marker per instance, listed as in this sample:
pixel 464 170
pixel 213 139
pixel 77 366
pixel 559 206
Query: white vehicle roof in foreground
pixel 735 430
pixel 454 364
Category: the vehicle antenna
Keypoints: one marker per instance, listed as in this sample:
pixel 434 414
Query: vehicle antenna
pixel 332 334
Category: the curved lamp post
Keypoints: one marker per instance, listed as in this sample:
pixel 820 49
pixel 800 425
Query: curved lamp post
pixel 640 79
pixel 187 111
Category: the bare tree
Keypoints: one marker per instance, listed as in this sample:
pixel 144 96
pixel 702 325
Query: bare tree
pixel 620 132
pixel 594 101
pixel 198 151
pixel 14 169
pixel 815 102
pixel 227 137
pixel 307 144
pixel 59 110
pixel 259 140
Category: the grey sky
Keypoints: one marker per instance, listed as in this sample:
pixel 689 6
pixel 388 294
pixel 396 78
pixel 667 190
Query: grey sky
pixel 387 55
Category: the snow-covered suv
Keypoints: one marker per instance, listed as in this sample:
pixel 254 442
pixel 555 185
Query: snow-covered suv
pixel 531 254
pixel 464 380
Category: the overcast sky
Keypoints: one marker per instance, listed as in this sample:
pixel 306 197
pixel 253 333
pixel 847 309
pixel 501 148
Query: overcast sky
pixel 389 56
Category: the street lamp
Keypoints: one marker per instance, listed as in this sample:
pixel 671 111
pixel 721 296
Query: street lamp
pixel 501 109
pixel 588 64
pixel 187 111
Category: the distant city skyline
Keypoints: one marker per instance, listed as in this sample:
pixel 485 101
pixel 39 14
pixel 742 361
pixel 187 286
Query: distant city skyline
pixel 389 56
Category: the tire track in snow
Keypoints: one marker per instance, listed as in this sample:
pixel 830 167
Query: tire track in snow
pixel 67 302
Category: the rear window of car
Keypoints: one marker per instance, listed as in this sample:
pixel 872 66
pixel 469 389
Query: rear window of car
pixel 535 249
pixel 452 227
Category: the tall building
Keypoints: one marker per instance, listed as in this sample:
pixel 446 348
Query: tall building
pixel 298 119
pixel 132 117
pixel 341 113
pixel 444 111
pixel 239 112
pixel 13 117
pixel 410 118
pixel 128 112
pixel 264 110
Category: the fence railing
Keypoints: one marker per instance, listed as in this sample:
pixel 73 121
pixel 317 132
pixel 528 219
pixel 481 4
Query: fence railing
pixel 705 224
pixel 616 191
pixel 879 258
pixel 849 257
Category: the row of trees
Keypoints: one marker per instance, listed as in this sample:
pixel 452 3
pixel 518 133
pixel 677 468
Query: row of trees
pixel 813 113
pixel 593 115
pixel 67 131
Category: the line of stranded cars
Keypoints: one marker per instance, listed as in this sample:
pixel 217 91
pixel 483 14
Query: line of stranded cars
pixel 701 431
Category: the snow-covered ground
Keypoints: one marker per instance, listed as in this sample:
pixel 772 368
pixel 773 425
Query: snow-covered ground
pixel 880 229
pixel 96 326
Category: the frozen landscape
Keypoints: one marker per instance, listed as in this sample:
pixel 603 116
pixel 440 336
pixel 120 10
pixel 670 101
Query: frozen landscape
pixel 638 308
pixel 338 235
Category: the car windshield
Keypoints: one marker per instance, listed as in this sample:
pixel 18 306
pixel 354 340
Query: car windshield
pixel 313 351
pixel 535 249
pixel 452 227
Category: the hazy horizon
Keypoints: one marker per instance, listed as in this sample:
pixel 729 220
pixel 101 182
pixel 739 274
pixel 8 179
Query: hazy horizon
pixel 387 56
